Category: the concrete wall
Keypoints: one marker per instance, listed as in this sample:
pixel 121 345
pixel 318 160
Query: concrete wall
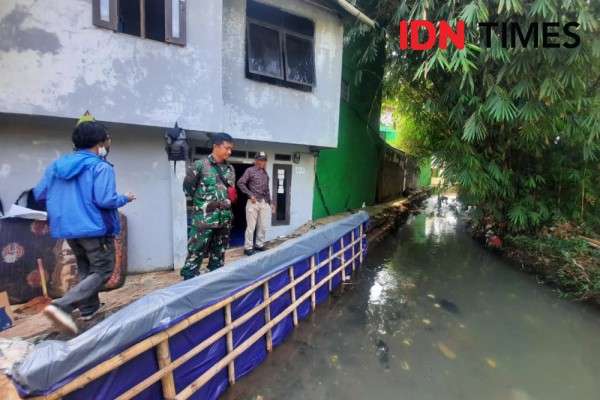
pixel 28 145
pixel 262 111
pixel 54 61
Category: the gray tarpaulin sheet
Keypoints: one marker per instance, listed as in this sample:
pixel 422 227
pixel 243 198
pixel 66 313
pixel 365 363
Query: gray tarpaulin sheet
pixel 53 362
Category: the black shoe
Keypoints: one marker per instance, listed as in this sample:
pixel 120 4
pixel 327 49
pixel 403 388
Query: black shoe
pixel 260 248
pixel 249 252
pixel 90 315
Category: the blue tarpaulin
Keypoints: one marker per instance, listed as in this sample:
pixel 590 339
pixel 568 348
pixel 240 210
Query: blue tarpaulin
pixel 53 364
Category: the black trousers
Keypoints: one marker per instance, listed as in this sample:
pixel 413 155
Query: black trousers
pixel 95 264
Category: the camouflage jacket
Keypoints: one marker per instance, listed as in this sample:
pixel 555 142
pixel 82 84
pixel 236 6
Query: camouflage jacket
pixel 211 207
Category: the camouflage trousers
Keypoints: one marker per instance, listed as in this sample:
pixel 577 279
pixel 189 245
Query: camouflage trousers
pixel 211 242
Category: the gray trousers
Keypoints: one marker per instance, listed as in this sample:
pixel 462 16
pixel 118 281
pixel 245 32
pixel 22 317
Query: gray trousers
pixel 95 264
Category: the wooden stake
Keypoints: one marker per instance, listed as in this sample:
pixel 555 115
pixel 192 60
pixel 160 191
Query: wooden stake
pixel 230 343
pixel 330 267
pixel 313 297
pixel 360 248
pixel 353 249
pixel 293 290
pixel 42 272
pixel 267 301
pixel 164 359
pixel 343 259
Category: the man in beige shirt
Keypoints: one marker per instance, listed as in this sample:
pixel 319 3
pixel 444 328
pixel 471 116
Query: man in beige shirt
pixel 255 184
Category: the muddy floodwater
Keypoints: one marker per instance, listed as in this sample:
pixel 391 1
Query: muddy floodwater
pixel 434 316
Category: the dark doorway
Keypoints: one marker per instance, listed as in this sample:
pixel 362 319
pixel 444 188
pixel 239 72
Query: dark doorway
pixel 239 209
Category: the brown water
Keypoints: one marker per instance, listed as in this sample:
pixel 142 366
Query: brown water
pixel 435 316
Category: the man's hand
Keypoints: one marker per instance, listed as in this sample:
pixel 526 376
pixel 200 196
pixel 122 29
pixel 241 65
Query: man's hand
pixel 253 200
pixel 130 196
pixel 273 208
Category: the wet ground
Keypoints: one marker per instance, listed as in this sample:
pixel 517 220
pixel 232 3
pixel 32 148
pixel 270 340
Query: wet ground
pixel 434 316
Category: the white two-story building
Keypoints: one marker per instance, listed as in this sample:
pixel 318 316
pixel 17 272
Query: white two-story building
pixel 267 72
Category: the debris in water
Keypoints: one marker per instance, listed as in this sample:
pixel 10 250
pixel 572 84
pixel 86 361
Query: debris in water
pixel 383 353
pixel 518 394
pixel 407 342
pixel 462 326
pixel 449 306
pixel 426 321
pixel 437 305
pixel 446 351
pixel 334 361
pixel 431 296
pixel 490 362
pixel 404 365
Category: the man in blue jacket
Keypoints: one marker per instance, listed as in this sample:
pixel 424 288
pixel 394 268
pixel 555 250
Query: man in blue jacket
pixel 82 202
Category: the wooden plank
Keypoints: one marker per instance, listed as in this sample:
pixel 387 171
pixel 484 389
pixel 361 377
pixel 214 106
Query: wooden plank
pixel 313 297
pixel 293 292
pixel 231 367
pixel 164 359
pixel 267 302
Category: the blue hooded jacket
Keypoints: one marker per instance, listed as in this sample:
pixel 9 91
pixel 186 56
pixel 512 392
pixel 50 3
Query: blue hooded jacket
pixel 81 198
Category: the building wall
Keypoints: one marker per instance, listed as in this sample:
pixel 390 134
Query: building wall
pixel 54 61
pixel 262 111
pixel 347 175
pixel 29 145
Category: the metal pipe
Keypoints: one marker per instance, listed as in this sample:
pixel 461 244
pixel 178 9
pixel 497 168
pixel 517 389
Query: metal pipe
pixel 356 12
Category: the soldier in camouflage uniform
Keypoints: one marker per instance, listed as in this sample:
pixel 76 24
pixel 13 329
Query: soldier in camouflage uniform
pixel 206 182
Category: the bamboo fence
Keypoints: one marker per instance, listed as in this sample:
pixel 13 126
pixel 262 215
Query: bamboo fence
pixel 160 341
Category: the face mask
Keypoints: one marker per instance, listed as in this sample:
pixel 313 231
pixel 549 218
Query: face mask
pixel 102 152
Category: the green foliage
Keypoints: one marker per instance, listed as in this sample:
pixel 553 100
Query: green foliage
pixel 570 263
pixel 517 129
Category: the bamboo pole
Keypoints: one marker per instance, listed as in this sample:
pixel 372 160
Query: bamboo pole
pixel 164 359
pixel 140 387
pixel 353 249
pixel 330 267
pixel 313 297
pixel 210 373
pixel 293 291
pixel 153 341
pixel 267 301
pixel 343 259
pixel 360 248
pixel 231 367
pixel 42 272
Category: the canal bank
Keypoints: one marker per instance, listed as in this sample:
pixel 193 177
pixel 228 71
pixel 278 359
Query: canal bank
pixel 433 315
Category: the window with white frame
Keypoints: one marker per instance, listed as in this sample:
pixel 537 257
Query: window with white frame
pixel 162 20
pixel 279 47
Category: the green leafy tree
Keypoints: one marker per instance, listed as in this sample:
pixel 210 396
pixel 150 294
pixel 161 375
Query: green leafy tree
pixel 517 129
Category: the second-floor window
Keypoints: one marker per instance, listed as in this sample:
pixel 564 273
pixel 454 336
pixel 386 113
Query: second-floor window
pixel 280 47
pixel 162 20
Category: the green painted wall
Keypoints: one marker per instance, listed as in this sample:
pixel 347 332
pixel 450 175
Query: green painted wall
pixel 346 177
